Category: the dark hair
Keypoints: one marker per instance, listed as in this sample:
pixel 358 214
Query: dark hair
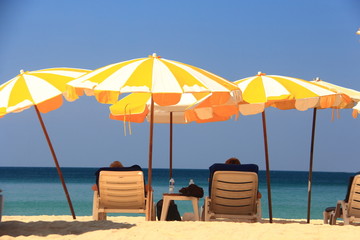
pixel 233 160
pixel 116 164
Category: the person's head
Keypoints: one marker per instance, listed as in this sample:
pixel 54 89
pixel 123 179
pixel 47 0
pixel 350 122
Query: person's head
pixel 233 160
pixel 116 164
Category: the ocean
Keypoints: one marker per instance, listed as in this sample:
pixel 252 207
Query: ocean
pixel 38 191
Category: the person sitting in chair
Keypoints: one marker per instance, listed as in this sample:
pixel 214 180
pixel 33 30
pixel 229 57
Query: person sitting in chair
pixel 233 164
pixel 233 160
pixel 236 161
pixel 117 166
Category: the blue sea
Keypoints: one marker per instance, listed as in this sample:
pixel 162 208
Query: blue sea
pixel 38 191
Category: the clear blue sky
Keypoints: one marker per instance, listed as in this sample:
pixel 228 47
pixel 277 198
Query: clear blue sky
pixel 234 39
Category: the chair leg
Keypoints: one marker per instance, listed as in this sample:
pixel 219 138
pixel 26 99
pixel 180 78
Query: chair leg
pixel 202 213
pixel 195 204
pixel 102 216
pixel 326 216
pixel 258 211
pixel 96 206
pixel 206 210
pixel 153 215
pixel 333 218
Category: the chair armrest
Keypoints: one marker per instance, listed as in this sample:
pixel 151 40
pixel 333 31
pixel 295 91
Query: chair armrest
pixel 341 208
pixel 96 200
pixel 205 215
pixel 258 207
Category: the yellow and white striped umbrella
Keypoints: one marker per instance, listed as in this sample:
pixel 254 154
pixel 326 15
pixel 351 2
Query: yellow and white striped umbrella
pixel 42 88
pixel 283 92
pixel 166 80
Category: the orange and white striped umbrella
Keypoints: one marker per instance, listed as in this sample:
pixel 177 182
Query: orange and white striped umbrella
pixel 285 93
pixel 43 88
pixel 166 80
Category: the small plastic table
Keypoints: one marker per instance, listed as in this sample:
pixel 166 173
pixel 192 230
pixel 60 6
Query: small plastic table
pixel 167 197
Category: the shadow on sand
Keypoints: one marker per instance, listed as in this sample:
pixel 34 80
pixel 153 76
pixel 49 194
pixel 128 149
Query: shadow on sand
pixel 44 228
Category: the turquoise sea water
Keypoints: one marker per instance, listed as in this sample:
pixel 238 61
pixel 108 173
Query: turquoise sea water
pixel 38 191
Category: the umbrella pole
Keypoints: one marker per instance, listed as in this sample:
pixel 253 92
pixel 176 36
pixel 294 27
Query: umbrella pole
pixel 171 145
pixel 267 165
pixel 56 161
pixel 149 202
pixel 311 164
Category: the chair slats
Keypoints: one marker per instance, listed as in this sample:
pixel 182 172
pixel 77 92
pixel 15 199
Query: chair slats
pixel 354 200
pixel 121 191
pixel 234 193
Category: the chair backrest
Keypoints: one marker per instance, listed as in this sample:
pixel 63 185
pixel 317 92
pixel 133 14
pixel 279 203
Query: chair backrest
pixel 230 167
pixel 234 192
pixel 122 189
pixel 354 198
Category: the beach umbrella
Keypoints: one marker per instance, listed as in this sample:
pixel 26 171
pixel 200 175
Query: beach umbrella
pixel 164 79
pixel 136 108
pixel 42 89
pixel 284 93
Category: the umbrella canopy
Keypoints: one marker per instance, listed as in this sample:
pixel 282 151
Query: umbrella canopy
pixel 42 89
pixel 353 94
pixel 191 107
pixel 284 93
pixel 165 80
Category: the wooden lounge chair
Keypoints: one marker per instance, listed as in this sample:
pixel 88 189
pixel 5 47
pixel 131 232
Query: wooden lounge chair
pixel 122 192
pixel 233 196
pixel 348 210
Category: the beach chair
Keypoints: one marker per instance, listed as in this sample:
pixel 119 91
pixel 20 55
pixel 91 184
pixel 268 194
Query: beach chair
pixel 349 210
pixel 122 192
pixel 233 196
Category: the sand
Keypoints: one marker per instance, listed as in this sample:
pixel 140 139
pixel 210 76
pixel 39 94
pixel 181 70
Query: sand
pixel 63 227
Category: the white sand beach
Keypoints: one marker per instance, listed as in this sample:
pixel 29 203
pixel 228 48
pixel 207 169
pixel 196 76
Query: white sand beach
pixel 63 227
